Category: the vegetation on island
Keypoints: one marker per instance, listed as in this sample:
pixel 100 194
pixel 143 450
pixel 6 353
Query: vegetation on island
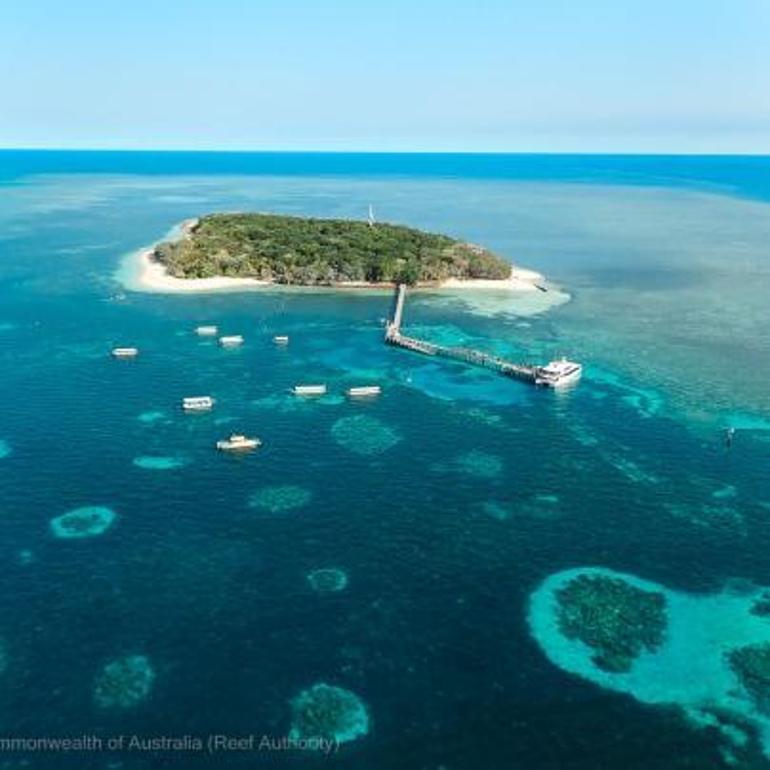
pixel 614 618
pixel 307 251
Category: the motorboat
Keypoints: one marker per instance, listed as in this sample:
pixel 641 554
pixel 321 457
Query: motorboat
pixel 197 403
pixel 558 374
pixel 238 443
pixel 125 352
pixel 309 390
pixel 363 391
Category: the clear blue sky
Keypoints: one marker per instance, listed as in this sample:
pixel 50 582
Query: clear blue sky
pixel 484 75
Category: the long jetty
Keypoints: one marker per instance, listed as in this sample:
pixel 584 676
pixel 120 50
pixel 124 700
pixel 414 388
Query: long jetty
pixel 393 336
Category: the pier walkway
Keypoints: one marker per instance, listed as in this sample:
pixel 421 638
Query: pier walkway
pixel 393 336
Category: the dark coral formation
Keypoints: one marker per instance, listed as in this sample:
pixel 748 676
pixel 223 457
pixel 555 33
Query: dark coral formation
pixel 614 618
pixel 751 664
pixel 761 605
pixel 329 712
pixel 124 682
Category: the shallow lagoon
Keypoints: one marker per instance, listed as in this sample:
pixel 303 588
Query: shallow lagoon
pixel 691 669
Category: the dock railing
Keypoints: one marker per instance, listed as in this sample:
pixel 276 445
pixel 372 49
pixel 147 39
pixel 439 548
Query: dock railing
pixel 470 356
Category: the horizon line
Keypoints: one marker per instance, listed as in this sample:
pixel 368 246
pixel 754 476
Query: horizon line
pixel 235 151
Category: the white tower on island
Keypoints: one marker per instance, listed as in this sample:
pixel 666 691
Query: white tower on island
pixel 371 216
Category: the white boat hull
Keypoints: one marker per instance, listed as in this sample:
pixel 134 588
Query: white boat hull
pixel 561 382
pixel 248 445
pixel 364 392
pixel 202 404
pixel 309 390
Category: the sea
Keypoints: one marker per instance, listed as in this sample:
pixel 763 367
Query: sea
pixel 441 505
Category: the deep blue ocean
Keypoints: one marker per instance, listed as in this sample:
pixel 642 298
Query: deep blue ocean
pixel 446 501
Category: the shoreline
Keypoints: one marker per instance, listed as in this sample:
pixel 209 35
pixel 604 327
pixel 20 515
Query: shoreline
pixel 141 272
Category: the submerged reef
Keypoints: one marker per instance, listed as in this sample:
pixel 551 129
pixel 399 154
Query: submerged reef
pixel 751 665
pixel 708 654
pixel 539 506
pixel 614 618
pixel 328 580
pixel 325 711
pixel 498 510
pixel 124 682
pixel 761 605
pixel 5 449
pixel 481 465
pixel 287 403
pixel 83 522
pixel 155 463
pixel 717 517
pixel 364 435
pixel 150 417
pixel 281 498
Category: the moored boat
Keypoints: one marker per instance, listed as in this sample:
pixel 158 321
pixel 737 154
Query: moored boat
pixel 363 391
pixel 125 352
pixel 238 443
pixel 281 339
pixel 207 331
pixel 309 390
pixel 558 374
pixel 231 341
pixel 197 403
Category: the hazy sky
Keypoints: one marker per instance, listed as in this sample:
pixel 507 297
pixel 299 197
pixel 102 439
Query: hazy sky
pixel 541 75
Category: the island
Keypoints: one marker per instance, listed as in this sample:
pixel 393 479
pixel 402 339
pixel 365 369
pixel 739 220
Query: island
pixel 238 250
pixel 309 251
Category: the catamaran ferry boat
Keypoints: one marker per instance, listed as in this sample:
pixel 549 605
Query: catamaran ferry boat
pixel 238 443
pixel 197 403
pixel 125 352
pixel 309 390
pixel 558 374
pixel 231 341
pixel 207 331
pixel 364 391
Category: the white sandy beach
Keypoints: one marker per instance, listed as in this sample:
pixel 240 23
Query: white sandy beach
pixel 152 276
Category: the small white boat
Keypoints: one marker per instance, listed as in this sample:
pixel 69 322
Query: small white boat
pixel 364 391
pixel 125 352
pixel 309 390
pixel 231 341
pixel 207 331
pixel 197 403
pixel 281 339
pixel 558 374
pixel 238 443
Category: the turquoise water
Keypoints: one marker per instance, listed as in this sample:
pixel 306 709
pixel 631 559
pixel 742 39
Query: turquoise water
pixel 444 503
